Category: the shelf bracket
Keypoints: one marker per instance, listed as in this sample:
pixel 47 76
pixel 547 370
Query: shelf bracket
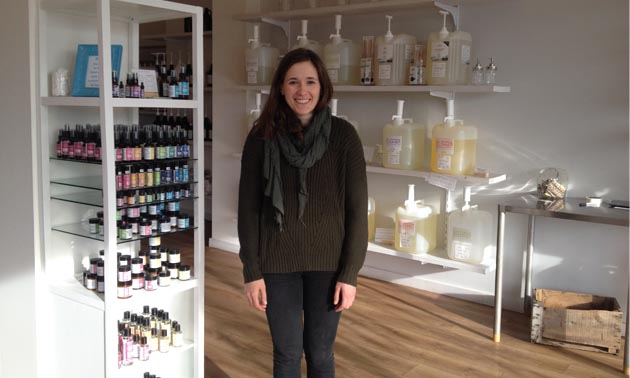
pixel 453 10
pixel 284 25
pixel 450 101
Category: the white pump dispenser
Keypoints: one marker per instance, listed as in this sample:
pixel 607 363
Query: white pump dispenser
pixel 304 42
pixel 404 142
pixel 469 233
pixel 260 60
pixel 342 58
pixel 416 226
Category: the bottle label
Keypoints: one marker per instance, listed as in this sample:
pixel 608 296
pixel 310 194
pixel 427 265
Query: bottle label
pixel 385 71
pixel 367 76
pixel 439 51
pixel 252 77
pixel 333 61
pixel 406 233
pixel 445 146
pixel 165 89
pixel 119 154
pixel 89 149
pixel 129 153
pixel 172 91
pixel 137 153
pixel 334 76
pixel 438 69
pixel 466 55
pixel 64 147
pixel 444 163
pixel 462 243
pixel 70 150
pixel 78 149
pixel 251 64
pixel 59 154
pixel 393 149
pixel 385 54
pixel 97 153
pixel 183 88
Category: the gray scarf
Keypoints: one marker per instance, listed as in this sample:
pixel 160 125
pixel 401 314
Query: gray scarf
pixel 316 137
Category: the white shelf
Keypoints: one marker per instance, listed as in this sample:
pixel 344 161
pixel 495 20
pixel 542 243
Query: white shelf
pixel 72 289
pixel 435 257
pixel 464 180
pixel 382 6
pixel 400 88
pixel 156 361
pixel 130 10
pixel 120 102
pixel 171 36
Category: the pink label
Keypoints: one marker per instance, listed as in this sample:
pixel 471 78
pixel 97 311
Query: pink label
pixel 58 149
pixel 97 153
pixel 119 154
pixel 129 154
pixel 78 149
pixel 89 149
pixel 126 181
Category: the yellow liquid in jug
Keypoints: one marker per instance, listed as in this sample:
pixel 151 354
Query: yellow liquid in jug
pixel 462 161
pixel 409 153
pixel 371 225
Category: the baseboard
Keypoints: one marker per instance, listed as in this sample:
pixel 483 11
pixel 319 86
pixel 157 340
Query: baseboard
pixel 223 245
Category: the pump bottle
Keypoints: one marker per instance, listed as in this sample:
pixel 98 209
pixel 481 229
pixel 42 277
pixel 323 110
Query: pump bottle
pixel 260 60
pixel 393 56
pixel 333 111
pixel 416 226
pixel 403 141
pixel 448 60
pixel 341 58
pixel 304 42
pixel 469 233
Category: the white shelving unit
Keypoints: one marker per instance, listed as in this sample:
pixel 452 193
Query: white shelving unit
pixel 282 19
pixel 86 321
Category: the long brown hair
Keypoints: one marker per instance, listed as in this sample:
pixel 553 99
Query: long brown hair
pixel 276 114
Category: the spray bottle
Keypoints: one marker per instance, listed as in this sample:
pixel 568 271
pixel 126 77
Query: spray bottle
pixel 260 60
pixel 469 233
pixel 416 226
pixel 393 56
pixel 304 42
pixel 341 58
pixel 403 141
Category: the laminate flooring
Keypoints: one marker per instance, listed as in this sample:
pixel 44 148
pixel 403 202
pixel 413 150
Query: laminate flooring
pixel 391 331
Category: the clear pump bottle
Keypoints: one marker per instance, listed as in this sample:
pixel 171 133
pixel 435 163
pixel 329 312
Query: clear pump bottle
pixel 341 57
pixel 260 60
pixel 304 42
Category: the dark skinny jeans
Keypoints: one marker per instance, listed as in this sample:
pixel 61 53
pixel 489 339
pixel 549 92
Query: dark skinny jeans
pixel 288 294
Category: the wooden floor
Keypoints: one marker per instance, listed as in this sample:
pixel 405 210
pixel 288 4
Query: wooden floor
pixel 391 331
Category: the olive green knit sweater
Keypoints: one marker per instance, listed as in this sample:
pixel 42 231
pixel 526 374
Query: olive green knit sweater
pixel 333 236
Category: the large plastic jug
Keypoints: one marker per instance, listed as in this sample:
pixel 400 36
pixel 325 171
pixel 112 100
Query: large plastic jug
pixel 448 56
pixel 253 115
pixel 416 226
pixel 469 233
pixel 403 142
pixel 342 58
pixel 304 42
pixel 260 61
pixel 371 218
pixel 393 57
pixel 333 111
pixel 454 148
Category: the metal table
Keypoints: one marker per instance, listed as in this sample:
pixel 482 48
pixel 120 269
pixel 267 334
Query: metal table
pixel 569 209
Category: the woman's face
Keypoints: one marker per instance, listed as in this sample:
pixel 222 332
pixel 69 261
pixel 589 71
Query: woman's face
pixel 301 88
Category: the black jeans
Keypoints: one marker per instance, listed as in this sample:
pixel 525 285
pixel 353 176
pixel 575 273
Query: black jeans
pixel 288 294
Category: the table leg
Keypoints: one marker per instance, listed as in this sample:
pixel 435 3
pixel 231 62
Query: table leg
pixel 527 302
pixel 498 283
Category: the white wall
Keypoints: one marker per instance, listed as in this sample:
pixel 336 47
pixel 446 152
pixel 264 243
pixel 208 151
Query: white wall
pixel 19 233
pixel 567 64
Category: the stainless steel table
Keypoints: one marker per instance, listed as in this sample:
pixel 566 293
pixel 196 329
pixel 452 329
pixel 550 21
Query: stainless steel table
pixel 569 209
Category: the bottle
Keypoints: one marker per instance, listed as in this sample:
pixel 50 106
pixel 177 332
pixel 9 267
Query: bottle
pixel 260 60
pixel 164 341
pixel 183 84
pixel 477 74
pixel 253 114
pixel 403 142
pixel 121 89
pixel 178 336
pixel 114 84
pixel 469 233
pixel 341 58
pixel 415 226
pixel 491 72
pixel 393 57
pixel 371 218
pixel 304 42
pixel 333 111
pixel 454 148
pixel 367 57
pixel 173 86
pixel 449 56
pixel 416 69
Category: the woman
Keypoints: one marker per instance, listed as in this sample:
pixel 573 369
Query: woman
pixel 302 216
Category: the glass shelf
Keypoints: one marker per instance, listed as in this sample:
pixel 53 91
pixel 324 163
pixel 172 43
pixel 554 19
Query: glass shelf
pixel 82 230
pixel 96 199
pixel 95 183
pixel 135 162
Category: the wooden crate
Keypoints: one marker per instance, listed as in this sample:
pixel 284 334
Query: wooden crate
pixel 574 320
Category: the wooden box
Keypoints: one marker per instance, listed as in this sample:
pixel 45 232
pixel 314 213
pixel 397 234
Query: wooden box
pixel 575 320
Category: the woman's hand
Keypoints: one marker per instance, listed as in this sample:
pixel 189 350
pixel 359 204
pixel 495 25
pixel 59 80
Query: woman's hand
pixel 344 296
pixel 256 293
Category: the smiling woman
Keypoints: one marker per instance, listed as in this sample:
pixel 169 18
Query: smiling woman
pixel 301 216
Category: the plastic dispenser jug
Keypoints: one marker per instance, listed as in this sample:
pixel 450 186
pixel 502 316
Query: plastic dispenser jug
pixel 333 111
pixel 260 61
pixel 393 57
pixel 253 115
pixel 454 148
pixel 304 42
pixel 416 226
pixel 403 141
pixel 342 58
pixel 371 218
pixel 448 60
pixel 469 233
